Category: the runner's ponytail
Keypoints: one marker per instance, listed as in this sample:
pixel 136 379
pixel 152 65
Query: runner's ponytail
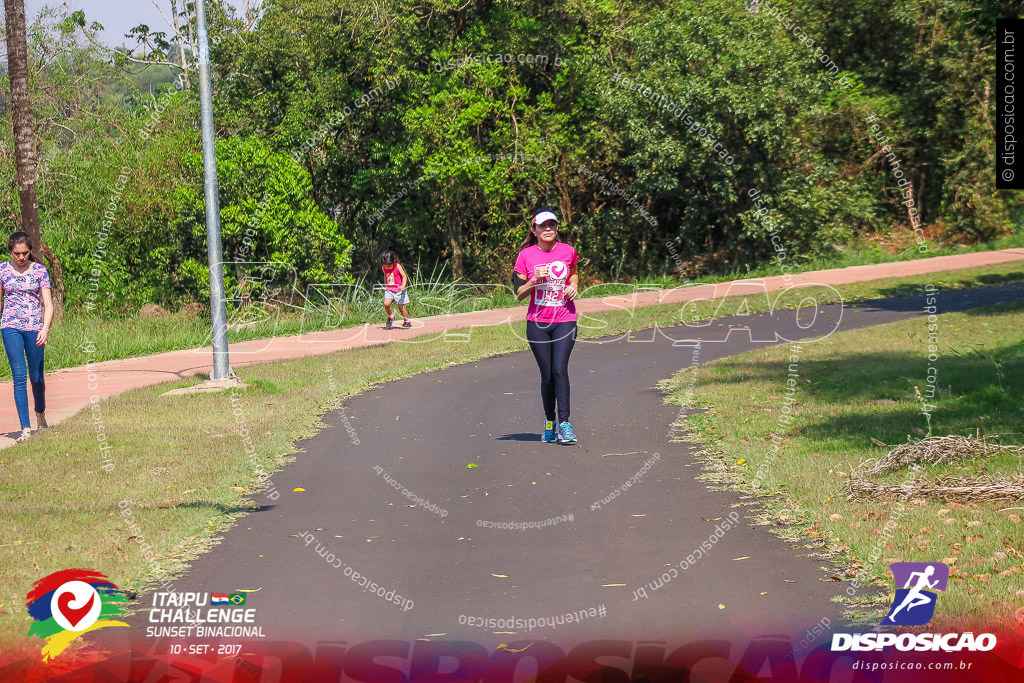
pixel 530 240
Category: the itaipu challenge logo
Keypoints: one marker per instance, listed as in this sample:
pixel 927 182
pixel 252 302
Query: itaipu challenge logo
pixel 914 603
pixel 71 602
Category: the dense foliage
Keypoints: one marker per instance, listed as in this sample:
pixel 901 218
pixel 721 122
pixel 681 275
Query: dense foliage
pixel 436 127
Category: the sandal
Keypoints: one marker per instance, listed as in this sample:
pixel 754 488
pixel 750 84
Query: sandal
pixel 25 433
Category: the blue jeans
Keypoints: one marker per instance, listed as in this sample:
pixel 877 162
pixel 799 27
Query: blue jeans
pixel 18 344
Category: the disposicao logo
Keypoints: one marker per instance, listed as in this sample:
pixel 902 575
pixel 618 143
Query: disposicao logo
pixel 71 602
pixel 914 605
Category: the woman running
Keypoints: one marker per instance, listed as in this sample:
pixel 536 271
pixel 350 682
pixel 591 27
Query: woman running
pixel 25 324
pixel 546 272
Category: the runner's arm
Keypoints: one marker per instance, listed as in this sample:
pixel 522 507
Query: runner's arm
pixel 47 301
pixel 405 276
pixel 574 282
pixel 521 286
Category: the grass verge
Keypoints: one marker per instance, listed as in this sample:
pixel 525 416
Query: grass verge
pixel 854 396
pixel 181 465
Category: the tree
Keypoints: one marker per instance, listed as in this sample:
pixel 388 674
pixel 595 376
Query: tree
pixel 24 142
pixel 152 46
pixel 268 216
pixel 420 126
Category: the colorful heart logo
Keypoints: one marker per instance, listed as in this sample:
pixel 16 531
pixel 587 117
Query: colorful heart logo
pixel 75 605
pixel 74 615
pixel 557 269
pixel 69 603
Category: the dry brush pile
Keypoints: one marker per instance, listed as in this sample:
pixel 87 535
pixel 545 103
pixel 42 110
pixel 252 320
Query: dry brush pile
pixel 936 450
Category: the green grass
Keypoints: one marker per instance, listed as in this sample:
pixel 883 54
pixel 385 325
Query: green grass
pixel 858 254
pixel 867 253
pixel 861 385
pixel 182 468
pixel 116 337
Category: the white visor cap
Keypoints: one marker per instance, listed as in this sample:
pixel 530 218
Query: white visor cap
pixel 544 217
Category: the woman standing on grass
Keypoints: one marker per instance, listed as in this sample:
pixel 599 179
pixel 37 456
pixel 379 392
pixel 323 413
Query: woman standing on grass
pixel 25 324
pixel 546 272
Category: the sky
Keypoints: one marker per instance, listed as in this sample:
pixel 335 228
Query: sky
pixel 117 16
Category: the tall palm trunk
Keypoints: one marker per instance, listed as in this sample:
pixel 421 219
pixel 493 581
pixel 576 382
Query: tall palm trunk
pixel 24 142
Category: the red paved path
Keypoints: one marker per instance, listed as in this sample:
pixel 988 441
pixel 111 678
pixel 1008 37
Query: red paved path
pixel 67 390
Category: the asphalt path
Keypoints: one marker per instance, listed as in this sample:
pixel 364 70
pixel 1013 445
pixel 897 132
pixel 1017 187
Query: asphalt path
pixel 423 431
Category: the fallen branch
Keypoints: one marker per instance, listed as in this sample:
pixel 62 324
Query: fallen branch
pixel 977 489
pixel 935 450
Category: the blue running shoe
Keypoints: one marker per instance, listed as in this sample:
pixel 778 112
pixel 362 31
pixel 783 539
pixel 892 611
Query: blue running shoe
pixel 549 432
pixel 566 434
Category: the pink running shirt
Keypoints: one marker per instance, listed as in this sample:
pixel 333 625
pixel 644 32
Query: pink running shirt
pixel 547 299
pixel 392 278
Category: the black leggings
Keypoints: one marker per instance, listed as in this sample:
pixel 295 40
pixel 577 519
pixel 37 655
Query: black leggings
pixel 551 344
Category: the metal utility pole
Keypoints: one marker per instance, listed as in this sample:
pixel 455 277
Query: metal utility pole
pixel 214 254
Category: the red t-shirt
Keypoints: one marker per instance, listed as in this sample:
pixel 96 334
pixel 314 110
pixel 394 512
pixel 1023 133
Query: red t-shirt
pixel 547 299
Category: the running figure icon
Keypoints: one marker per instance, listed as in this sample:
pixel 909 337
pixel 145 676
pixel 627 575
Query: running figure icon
pixel 914 603
pixel 914 597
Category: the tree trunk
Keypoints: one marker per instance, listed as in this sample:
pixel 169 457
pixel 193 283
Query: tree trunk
pixel 455 242
pixel 56 279
pixel 180 39
pixel 21 116
pixel 644 239
pixel 920 198
pixel 911 204
pixel 25 144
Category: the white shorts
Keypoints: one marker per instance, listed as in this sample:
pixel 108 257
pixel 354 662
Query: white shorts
pixel 401 298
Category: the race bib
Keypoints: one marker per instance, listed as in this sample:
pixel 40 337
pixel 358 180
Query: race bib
pixel 550 293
